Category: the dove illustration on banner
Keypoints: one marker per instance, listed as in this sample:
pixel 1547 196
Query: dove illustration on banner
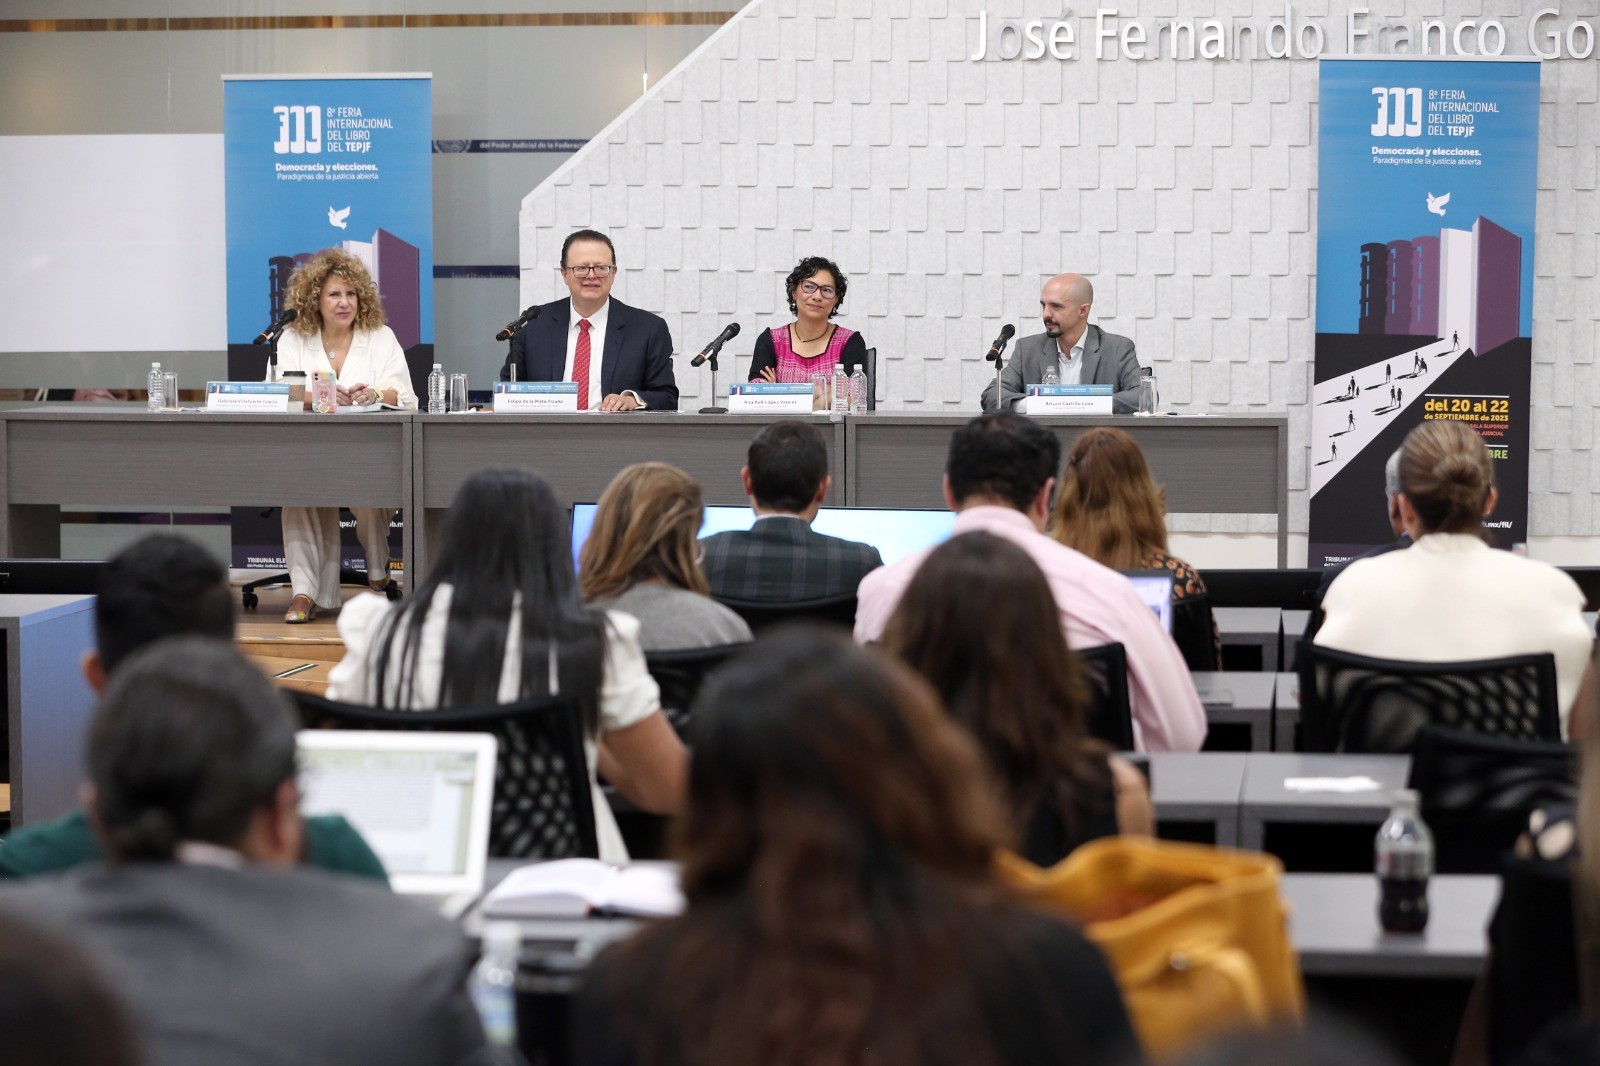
pixel 336 218
pixel 1436 203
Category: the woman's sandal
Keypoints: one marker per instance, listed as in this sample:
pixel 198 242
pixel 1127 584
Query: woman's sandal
pixel 297 613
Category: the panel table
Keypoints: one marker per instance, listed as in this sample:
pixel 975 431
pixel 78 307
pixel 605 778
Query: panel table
pixel 1223 464
pixel 48 702
pixel 581 453
pixel 121 454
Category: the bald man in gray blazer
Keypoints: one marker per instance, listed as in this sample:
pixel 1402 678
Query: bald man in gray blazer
pixel 1083 354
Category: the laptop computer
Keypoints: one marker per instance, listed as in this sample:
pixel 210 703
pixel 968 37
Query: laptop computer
pixel 1155 590
pixel 421 800
pixel 895 532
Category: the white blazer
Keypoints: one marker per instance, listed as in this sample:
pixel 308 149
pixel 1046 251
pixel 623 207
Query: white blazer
pixel 375 359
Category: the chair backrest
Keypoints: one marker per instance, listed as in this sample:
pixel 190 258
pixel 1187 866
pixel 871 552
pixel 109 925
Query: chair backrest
pixel 1110 717
pixel 1356 703
pixel 1194 631
pixel 680 674
pixel 1289 590
pixel 872 379
pixel 543 803
pixel 1478 791
pixel 763 614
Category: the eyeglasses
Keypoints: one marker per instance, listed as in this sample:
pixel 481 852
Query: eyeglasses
pixel 811 288
pixel 600 270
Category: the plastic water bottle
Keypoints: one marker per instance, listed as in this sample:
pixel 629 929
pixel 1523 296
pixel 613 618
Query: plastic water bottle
pixel 154 402
pixel 858 390
pixel 1404 853
pixel 841 389
pixel 436 404
pixel 493 985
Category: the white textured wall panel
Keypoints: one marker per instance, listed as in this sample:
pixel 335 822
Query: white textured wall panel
pixel 948 191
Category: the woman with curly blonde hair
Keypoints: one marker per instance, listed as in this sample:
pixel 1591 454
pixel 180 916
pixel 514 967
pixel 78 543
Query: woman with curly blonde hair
pixel 339 330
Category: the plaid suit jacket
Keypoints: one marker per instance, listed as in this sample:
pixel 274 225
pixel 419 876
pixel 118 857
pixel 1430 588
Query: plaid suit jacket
pixel 781 558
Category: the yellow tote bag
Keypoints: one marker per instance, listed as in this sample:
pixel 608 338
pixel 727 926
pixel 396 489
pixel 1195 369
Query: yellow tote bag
pixel 1196 935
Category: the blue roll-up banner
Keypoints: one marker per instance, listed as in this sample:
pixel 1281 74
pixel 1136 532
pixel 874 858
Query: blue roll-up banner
pixel 1426 181
pixel 339 161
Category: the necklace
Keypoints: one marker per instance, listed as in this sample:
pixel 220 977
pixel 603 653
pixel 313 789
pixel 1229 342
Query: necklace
pixel 803 340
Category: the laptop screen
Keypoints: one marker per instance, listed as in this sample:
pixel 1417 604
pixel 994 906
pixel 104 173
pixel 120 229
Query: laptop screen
pixel 421 800
pixel 1155 589
pixel 895 533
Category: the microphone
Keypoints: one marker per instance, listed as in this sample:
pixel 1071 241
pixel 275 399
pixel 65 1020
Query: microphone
pixel 1006 333
pixel 523 319
pixel 716 346
pixel 272 331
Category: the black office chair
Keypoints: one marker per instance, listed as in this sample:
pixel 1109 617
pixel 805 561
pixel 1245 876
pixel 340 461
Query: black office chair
pixel 1194 631
pixel 680 674
pixel 1110 717
pixel 1478 791
pixel 543 806
pixel 763 614
pixel 1359 704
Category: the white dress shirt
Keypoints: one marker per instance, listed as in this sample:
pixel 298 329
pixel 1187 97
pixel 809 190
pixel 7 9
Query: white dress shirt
pixel 597 348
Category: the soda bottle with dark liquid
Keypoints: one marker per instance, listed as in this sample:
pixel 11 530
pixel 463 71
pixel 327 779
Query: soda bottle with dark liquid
pixel 1404 861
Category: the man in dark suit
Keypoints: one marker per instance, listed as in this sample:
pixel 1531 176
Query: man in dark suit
pixel 781 558
pixel 1082 354
pixel 226 949
pixel 1391 491
pixel 620 356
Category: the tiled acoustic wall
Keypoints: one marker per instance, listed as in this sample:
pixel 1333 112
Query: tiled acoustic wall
pixel 949 189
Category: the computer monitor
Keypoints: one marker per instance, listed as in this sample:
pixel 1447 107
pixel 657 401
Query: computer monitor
pixel 895 533
pixel 1155 589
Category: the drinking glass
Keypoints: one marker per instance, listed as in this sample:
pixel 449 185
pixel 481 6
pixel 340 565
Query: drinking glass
pixel 458 392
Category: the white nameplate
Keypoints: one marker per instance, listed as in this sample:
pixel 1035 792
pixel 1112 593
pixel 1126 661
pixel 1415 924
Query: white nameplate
pixel 515 397
pixel 1069 399
pixel 262 397
pixel 770 397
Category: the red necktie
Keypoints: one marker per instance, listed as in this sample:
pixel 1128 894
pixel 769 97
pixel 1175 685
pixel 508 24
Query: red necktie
pixel 580 364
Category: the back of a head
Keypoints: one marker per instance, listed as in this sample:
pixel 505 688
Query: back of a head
pixel 506 531
pixel 1108 505
pixel 189 741
pixel 787 462
pixel 645 528
pixel 809 746
pixel 55 1008
pixel 1003 456
pixel 1446 473
pixel 978 621
pixel 164 585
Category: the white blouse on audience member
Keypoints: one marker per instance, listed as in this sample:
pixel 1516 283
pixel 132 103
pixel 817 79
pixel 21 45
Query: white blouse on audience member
pixel 1450 597
pixel 628 694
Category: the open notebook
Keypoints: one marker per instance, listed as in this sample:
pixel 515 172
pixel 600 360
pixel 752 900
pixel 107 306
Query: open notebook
pixel 421 800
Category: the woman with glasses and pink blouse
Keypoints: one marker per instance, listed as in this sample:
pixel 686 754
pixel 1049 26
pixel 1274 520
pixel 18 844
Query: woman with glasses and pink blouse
pixel 811 344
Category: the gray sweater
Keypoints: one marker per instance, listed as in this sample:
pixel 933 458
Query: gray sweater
pixel 672 618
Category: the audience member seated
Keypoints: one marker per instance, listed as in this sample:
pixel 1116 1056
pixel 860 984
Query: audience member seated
pixel 781 558
pixel 1544 939
pixel 838 863
pixel 1111 509
pixel 811 344
pixel 642 558
pixel 55 1007
pixel 499 620
pixel 1391 497
pixel 999 478
pixel 225 951
pixel 1450 597
pixel 162 586
pixel 978 623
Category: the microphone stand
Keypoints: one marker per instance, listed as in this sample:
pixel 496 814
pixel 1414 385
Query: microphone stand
pixel 711 357
pixel 272 352
pixel 999 397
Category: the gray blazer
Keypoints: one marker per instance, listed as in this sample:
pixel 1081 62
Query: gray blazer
pixel 267 967
pixel 1108 359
